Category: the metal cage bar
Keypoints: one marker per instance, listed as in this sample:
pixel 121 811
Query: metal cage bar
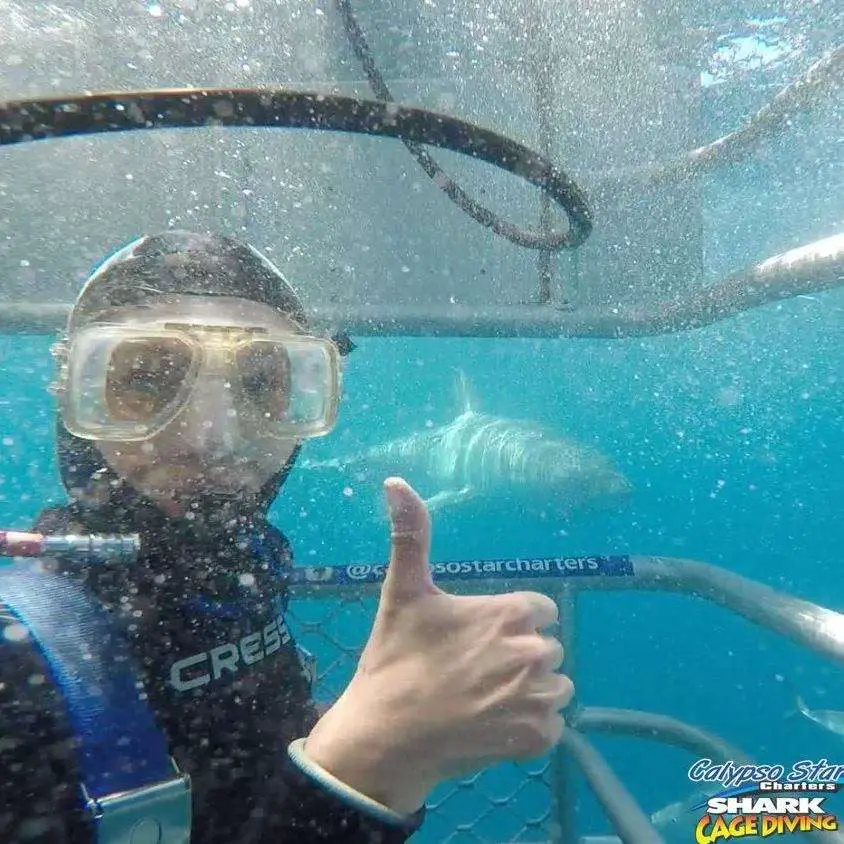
pixel 808 269
pixel 807 624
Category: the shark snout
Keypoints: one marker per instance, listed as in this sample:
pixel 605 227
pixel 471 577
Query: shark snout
pixel 619 485
pixel 623 485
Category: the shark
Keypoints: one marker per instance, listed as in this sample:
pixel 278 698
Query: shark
pixel 482 456
pixel 829 719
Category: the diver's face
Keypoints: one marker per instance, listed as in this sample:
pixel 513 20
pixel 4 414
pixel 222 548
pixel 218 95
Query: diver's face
pixel 206 448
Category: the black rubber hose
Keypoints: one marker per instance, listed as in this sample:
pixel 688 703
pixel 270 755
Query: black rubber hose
pixel 528 238
pixel 29 120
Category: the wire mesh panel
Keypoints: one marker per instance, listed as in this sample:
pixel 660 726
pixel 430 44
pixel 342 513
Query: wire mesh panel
pixel 536 801
pixel 508 802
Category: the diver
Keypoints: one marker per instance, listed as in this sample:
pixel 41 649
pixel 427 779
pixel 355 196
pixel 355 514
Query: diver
pixel 188 382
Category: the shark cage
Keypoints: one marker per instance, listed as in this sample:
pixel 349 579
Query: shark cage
pixel 609 104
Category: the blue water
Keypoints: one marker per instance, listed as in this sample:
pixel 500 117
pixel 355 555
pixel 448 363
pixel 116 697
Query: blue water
pixel 732 437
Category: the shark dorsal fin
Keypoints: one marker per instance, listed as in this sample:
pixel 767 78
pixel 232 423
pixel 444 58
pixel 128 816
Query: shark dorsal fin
pixel 465 402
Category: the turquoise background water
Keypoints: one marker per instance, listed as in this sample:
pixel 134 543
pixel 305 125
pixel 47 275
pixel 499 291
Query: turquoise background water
pixel 732 437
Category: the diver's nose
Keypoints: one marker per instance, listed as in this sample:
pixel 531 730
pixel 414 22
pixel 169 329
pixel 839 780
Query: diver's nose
pixel 210 420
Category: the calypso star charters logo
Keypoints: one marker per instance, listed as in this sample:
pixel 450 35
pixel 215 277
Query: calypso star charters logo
pixel 764 800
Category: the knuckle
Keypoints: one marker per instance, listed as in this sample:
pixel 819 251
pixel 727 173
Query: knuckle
pixel 537 653
pixel 516 610
pixel 537 723
pixel 536 736
pixel 507 617
pixel 531 651
pixel 555 651
pixel 537 659
pixel 550 732
pixel 565 690
pixel 407 539
pixel 563 693
pixel 520 657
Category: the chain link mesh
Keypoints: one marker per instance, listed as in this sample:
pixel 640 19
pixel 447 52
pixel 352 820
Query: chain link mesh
pixel 506 803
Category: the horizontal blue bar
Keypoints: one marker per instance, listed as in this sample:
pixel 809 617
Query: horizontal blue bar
pixel 469 570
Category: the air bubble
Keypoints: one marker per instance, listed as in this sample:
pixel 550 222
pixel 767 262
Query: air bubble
pixel 15 633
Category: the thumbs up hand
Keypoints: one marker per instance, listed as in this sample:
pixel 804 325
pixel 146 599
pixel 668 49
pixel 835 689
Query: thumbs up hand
pixel 446 684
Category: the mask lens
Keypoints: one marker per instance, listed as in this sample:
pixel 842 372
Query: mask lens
pixel 144 376
pixel 264 369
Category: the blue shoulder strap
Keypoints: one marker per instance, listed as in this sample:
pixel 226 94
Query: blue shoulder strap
pixel 130 784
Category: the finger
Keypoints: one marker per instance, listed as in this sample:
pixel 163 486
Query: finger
pixel 544 612
pixel 525 612
pixel 409 572
pixel 544 735
pixel 554 654
pixel 555 730
pixel 554 691
pixel 564 691
pixel 541 655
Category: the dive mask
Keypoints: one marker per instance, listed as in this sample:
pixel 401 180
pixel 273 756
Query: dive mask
pixel 126 383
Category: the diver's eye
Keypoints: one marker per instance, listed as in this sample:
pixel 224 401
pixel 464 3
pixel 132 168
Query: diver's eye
pixel 145 376
pixel 264 369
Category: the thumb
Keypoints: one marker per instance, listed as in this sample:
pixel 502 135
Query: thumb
pixel 409 572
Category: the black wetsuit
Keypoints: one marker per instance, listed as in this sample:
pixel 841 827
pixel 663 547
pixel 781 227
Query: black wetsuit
pixel 199 584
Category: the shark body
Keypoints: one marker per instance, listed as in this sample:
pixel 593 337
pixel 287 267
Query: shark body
pixel 829 719
pixel 478 455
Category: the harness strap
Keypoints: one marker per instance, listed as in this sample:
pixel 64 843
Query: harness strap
pixel 130 784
